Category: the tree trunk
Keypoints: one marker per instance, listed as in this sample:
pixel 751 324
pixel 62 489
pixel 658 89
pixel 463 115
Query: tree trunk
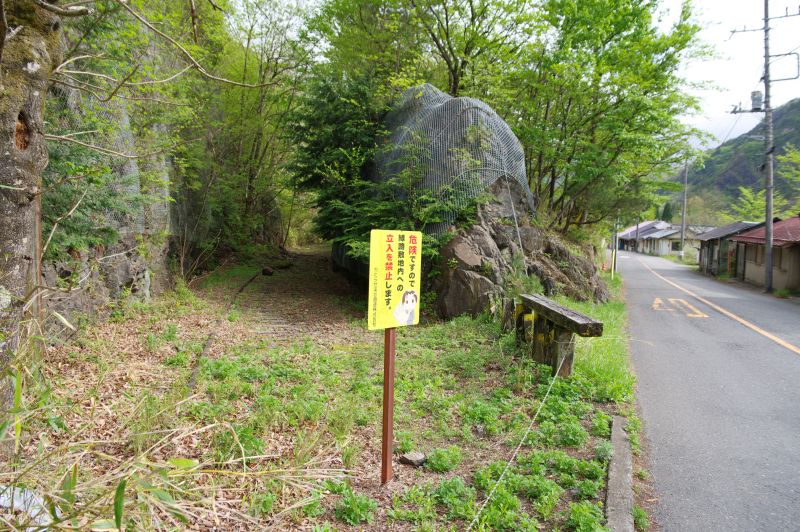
pixel 29 57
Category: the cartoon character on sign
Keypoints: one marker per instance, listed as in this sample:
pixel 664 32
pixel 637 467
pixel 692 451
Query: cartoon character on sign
pixel 404 312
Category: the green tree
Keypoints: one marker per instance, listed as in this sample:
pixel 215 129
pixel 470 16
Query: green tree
pixel 595 96
pixel 789 167
pixel 752 206
pixel 666 212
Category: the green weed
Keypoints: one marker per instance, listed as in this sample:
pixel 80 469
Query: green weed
pixel 443 460
pixel 355 509
pixel 405 441
pixel 178 360
pixel 415 505
pixel 170 333
pixel 349 455
pixel 240 442
pixel 601 424
pixel 585 517
pixel 603 451
pixel 314 508
pixel 633 427
pixel 641 521
pixel 457 497
pixel 261 504
pixel 479 413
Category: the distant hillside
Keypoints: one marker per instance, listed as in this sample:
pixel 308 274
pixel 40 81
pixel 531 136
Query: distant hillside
pixel 737 162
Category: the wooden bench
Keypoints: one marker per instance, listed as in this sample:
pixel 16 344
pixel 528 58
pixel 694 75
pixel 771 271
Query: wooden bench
pixel 552 333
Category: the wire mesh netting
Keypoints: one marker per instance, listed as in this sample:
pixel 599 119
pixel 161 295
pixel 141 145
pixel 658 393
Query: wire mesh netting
pixel 457 148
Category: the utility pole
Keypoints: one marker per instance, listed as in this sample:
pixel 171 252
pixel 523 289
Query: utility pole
pixel 614 246
pixel 683 215
pixel 769 148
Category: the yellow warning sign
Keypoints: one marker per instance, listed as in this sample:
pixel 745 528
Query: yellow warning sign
pixel 395 266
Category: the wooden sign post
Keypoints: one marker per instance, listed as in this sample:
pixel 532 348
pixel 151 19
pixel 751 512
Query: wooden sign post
pixel 389 341
pixel 395 266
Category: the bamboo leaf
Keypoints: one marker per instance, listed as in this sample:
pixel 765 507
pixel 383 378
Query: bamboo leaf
pixel 119 503
pixel 184 463
pixel 104 524
pixel 17 408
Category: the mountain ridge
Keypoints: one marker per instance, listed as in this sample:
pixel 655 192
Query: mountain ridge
pixel 737 162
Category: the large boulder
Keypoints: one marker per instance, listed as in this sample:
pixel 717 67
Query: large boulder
pixel 478 260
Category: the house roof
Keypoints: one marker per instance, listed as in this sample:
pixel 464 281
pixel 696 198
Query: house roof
pixel 644 229
pixel 661 233
pixel 726 230
pixel 700 229
pixel 784 233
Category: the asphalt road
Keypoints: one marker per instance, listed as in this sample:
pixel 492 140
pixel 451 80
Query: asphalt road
pixel 720 401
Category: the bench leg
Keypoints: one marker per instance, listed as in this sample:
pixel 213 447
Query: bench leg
pixel 519 325
pixel 542 333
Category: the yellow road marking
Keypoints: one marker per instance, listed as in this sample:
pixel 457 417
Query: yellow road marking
pixel 731 315
pixel 694 312
pixel 658 304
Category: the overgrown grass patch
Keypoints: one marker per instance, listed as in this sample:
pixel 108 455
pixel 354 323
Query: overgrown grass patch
pixel 274 421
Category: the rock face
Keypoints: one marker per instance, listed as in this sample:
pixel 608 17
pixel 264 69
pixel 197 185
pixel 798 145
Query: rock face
pixel 477 260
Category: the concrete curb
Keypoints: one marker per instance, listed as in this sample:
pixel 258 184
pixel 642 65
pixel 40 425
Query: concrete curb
pixel 619 495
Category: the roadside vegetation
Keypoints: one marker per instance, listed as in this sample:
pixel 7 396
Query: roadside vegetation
pixel 134 423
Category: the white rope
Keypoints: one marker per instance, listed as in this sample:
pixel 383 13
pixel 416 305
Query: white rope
pixel 516 451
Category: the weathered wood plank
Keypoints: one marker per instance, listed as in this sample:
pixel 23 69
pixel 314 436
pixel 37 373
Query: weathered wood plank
pixel 562 316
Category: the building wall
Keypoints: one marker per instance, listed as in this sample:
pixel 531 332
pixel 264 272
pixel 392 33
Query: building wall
pixel 785 267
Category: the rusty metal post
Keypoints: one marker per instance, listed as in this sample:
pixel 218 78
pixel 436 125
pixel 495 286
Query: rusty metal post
pixel 389 343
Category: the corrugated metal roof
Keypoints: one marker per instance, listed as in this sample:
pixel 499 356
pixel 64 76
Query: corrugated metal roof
pixel 726 230
pixel 644 227
pixel 662 233
pixel 784 233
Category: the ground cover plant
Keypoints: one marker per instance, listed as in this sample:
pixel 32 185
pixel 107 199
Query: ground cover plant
pixel 137 424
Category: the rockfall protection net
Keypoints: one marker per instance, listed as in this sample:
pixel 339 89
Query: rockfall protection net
pixel 455 148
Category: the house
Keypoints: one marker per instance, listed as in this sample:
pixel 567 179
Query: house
pixel 751 245
pixel 717 254
pixel 628 237
pixel 659 238
pixel 657 243
pixel 667 241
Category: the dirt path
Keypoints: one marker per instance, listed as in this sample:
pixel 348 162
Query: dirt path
pixel 303 298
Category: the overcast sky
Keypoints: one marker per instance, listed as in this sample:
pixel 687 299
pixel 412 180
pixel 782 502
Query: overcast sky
pixel 739 63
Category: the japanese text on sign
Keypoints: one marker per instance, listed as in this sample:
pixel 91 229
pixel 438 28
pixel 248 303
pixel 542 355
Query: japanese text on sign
pixel 395 262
